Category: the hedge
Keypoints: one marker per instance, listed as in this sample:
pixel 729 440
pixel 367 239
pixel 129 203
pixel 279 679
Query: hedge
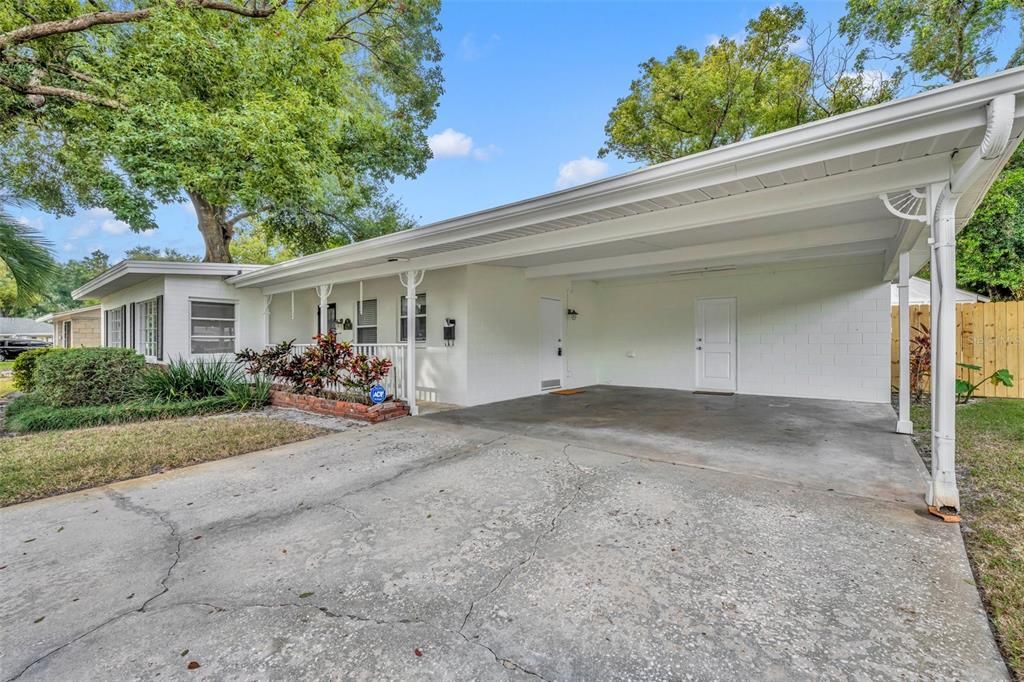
pixel 24 368
pixel 27 413
pixel 88 376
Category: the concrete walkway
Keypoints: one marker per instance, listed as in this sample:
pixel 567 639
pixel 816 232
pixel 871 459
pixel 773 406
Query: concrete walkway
pixel 426 549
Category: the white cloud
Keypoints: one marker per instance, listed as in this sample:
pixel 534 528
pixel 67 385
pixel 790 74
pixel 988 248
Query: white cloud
pixel 83 230
pixel 34 223
pixel 580 170
pixel 452 143
pixel 188 207
pixel 871 79
pixel 713 38
pixel 68 247
pixel 94 219
pixel 114 226
pixel 472 49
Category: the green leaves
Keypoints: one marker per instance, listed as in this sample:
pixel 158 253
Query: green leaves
pixel 307 111
pixel 26 255
pixel 737 89
pixel 937 39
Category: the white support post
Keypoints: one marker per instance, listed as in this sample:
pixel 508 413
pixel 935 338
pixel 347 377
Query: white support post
pixel 904 425
pixel 323 291
pixel 411 280
pixel 943 491
pixel 266 319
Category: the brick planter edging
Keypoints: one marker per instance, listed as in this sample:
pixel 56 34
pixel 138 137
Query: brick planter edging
pixel 392 409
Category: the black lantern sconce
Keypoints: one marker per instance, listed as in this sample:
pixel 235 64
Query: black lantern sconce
pixel 448 331
pixel 571 312
pixel 346 324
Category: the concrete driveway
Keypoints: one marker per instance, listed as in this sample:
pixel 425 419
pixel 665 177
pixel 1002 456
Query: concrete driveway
pixel 468 545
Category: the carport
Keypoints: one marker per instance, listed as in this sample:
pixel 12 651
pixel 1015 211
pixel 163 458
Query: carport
pixel 761 268
pixel 835 446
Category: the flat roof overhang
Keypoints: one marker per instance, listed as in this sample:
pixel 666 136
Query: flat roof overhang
pixel 806 192
pixel 131 272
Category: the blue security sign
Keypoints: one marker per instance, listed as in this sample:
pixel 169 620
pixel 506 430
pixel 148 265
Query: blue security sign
pixel 378 394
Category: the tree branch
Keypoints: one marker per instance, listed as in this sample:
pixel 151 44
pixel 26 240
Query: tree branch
pixel 66 93
pixel 87 21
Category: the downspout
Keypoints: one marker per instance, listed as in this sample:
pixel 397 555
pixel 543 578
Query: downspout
pixel 1000 113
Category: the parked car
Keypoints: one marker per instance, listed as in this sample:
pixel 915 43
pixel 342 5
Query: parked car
pixel 12 348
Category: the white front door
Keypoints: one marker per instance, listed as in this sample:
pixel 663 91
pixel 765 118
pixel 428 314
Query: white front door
pixel 716 344
pixel 550 343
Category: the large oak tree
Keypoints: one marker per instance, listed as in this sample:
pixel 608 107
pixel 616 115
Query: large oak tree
pixel 293 112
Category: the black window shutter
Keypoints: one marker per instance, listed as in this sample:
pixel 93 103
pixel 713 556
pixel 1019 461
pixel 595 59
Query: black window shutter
pixel 124 326
pixel 132 326
pixel 106 327
pixel 319 331
pixel 160 327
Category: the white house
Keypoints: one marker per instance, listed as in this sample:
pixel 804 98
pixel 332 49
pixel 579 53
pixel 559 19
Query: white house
pixel 761 267
pixel 921 293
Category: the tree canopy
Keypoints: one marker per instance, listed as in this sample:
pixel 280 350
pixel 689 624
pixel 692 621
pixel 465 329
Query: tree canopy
pixel 297 114
pixel 939 40
pixel 737 89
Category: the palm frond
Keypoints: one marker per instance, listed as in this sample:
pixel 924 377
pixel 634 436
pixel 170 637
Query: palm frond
pixel 28 256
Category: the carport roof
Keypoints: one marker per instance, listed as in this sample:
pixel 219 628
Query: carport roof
pixel 808 191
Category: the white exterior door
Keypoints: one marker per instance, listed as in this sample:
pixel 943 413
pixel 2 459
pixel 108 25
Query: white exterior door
pixel 550 343
pixel 716 344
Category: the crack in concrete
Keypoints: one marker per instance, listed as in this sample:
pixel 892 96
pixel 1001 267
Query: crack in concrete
pixel 553 524
pixel 125 503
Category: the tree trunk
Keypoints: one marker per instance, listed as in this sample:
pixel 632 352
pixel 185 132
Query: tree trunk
pixel 214 227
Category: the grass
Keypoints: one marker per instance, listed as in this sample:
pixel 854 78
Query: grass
pixel 990 465
pixel 27 414
pixel 6 383
pixel 40 465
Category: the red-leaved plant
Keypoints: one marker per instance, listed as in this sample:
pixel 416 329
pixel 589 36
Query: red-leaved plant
pixel 326 362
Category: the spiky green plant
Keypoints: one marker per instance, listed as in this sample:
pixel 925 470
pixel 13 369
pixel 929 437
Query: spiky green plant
pixel 26 253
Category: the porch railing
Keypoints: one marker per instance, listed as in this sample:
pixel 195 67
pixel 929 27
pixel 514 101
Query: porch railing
pixel 394 382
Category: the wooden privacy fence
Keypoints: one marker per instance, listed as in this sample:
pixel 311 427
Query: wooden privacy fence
pixel 990 335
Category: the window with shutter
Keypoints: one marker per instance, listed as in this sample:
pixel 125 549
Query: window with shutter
pixel 366 322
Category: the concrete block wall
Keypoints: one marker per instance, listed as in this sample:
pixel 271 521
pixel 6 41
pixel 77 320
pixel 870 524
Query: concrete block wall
pixel 817 330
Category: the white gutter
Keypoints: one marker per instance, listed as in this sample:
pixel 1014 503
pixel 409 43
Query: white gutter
pixel 1000 113
pixel 155 268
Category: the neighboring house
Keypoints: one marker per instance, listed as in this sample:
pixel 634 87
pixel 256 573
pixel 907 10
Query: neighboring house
pixel 19 334
pixel 77 328
pixel 921 293
pixel 761 267
pixel 24 328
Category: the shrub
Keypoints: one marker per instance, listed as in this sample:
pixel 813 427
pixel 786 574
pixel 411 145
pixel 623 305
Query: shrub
pixel 25 366
pixel 250 396
pixel 325 363
pixel 28 413
pixel 188 380
pixel 88 376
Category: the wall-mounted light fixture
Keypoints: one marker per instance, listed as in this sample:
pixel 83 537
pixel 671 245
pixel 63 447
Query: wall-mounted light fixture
pixel 346 324
pixel 571 312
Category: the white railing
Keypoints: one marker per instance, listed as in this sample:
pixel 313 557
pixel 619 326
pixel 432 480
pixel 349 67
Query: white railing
pixel 394 382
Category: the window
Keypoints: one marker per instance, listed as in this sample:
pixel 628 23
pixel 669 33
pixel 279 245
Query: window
pixel 212 327
pixel 149 328
pixel 115 327
pixel 67 333
pixel 366 321
pixel 421 319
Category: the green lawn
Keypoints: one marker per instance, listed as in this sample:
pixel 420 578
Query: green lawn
pixel 990 464
pixel 6 383
pixel 44 464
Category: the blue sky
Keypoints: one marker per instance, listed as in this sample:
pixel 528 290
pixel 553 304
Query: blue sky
pixel 528 88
